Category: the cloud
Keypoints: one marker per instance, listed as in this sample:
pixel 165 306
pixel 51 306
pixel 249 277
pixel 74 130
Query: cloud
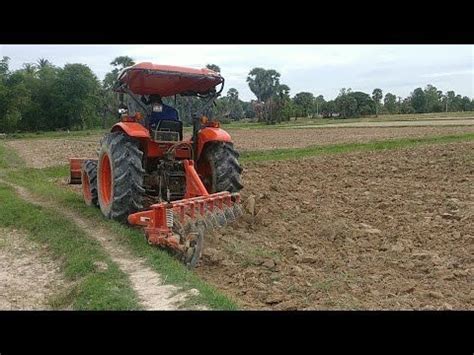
pixel 320 69
pixel 452 73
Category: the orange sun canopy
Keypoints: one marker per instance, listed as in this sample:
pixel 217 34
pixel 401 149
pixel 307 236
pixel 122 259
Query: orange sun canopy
pixel 166 80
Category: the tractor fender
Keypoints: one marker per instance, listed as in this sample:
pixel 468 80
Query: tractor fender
pixel 211 134
pixel 132 129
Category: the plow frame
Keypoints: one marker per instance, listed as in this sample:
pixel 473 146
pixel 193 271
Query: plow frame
pixel 158 221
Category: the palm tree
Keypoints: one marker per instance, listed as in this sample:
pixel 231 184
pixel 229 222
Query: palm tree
pixel 43 63
pixel 29 68
pixel 122 62
pixel 377 96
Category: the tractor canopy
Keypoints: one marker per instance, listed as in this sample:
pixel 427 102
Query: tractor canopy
pixel 166 80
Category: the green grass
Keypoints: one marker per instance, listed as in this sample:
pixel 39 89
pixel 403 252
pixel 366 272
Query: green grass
pixel 9 158
pixel 298 153
pixel 91 289
pixel 44 182
pixel 57 134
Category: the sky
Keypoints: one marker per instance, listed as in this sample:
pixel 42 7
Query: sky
pixel 319 69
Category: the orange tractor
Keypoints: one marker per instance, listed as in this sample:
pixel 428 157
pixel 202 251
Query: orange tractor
pixel 150 176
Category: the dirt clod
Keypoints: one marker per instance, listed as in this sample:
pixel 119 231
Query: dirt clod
pixel 269 264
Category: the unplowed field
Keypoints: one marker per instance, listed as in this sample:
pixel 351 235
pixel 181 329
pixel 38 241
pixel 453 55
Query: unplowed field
pixel 40 153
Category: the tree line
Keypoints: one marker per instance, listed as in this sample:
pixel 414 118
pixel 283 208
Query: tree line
pixel 274 103
pixel 42 97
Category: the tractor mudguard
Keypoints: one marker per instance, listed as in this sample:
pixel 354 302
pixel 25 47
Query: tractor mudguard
pixel 132 129
pixel 211 134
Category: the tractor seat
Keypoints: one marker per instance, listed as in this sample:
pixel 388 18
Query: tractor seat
pixel 168 130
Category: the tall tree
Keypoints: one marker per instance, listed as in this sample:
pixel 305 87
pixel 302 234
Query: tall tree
pixel 377 95
pixel 4 66
pixel 390 103
pixel 346 104
pixel 418 100
pixel 433 99
pixel 328 108
pixel 304 102
pixel 29 68
pixel 123 61
pixel 365 105
pixel 283 103
pixel 77 94
pixel 233 94
pixel 263 83
pixel 406 106
pixel 319 101
pixel 109 99
pixel 214 67
pixel 466 104
pixel 42 63
pixel 236 111
pixel 118 63
pixel 449 98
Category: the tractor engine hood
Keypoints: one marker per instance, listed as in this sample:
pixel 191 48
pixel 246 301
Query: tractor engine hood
pixel 166 80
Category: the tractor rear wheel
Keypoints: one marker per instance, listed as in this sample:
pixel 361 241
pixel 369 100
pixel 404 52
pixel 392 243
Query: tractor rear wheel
pixel 120 176
pixel 89 182
pixel 219 168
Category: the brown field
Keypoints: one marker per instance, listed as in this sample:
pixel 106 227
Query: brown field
pixel 300 138
pixel 384 230
pixel 40 153
pixel 367 230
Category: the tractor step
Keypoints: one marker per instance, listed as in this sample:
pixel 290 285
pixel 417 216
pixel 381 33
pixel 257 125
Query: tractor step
pixel 75 166
pixel 75 170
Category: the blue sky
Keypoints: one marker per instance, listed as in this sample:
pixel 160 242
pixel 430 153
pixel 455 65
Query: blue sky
pixel 320 69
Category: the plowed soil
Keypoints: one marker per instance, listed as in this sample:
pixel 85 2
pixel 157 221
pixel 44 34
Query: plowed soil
pixel 381 230
pixel 41 153
pixel 367 230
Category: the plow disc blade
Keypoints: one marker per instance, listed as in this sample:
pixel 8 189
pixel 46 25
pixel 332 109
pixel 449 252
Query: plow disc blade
pixel 181 225
pixel 193 247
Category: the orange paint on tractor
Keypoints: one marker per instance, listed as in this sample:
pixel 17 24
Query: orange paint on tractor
pixel 75 165
pixel 158 149
pixel 132 129
pixel 194 185
pixel 211 134
pixel 168 80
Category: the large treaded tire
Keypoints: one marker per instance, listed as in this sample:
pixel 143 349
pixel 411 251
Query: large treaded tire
pixel 89 182
pixel 120 187
pixel 220 168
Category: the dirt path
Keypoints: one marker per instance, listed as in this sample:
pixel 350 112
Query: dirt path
pixel 28 275
pixel 147 283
